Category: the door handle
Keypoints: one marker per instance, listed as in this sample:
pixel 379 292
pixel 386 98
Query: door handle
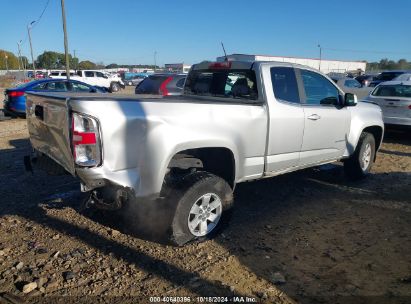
pixel 314 117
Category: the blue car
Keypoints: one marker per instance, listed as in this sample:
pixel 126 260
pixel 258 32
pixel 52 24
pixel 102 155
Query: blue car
pixel 15 100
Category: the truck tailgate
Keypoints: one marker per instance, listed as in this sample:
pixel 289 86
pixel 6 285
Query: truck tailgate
pixel 48 122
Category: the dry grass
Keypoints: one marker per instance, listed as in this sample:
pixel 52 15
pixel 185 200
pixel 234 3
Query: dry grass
pixel 6 82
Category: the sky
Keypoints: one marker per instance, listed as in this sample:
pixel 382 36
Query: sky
pixel 190 31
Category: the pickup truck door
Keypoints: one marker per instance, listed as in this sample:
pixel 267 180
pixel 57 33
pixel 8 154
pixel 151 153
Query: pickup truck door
pixel 90 78
pixel 102 80
pixel 326 122
pixel 286 119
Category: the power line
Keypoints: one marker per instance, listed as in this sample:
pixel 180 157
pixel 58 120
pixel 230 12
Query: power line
pixel 42 13
pixel 37 21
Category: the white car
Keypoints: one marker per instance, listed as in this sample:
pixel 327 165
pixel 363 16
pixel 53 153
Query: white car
pixel 60 74
pixel 112 83
pixel 394 98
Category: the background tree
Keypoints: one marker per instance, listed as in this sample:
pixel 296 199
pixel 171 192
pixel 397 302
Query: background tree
pixel 385 64
pixel 12 60
pixel 403 64
pixel 112 66
pixel 24 61
pixel 86 65
pixel 49 60
pixel 100 65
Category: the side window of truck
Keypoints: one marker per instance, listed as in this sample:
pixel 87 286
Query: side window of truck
pixel 285 84
pixel 318 89
pixel 89 74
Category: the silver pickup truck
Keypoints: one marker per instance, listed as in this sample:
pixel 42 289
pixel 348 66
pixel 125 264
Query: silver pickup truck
pixel 235 122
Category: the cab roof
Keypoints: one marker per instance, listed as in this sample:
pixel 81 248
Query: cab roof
pixel 243 65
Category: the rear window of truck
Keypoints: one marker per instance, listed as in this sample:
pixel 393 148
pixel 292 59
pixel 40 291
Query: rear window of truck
pixel 237 84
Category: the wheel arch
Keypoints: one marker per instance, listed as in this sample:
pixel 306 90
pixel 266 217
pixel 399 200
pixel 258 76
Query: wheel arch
pixel 219 161
pixel 378 133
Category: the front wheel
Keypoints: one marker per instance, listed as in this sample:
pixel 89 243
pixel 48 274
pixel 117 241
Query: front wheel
pixel 202 209
pixel 358 165
pixel 114 87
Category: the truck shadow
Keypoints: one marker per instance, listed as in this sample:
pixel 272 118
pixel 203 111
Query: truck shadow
pixel 398 135
pixel 327 236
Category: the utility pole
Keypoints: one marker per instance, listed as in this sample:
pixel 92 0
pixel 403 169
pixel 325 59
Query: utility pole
pixel 18 57
pixel 23 64
pixel 63 14
pixel 319 65
pixel 155 61
pixel 7 64
pixel 75 61
pixel 31 48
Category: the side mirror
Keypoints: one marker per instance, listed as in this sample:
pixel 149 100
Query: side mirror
pixel 350 100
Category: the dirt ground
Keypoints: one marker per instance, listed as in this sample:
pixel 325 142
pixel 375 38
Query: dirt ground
pixel 307 237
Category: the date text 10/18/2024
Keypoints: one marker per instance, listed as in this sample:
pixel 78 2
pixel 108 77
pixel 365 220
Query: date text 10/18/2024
pixel 234 299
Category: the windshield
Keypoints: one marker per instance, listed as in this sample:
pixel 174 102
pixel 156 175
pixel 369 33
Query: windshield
pixel 222 83
pixel 398 90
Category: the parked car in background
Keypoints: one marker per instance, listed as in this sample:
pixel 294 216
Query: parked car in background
pixel 112 83
pixel 60 74
pixel 403 77
pixel 162 84
pixel 38 74
pixel 350 85
pixel 133 79
pixel 41 75
pixel 386 76
pixel 365 79
pixel 394 98
pixel 15 99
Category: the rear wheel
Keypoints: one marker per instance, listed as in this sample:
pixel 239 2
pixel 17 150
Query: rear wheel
pixel 359 164
pixel 114 87
pixel 202 208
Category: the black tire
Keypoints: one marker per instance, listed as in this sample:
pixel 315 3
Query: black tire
pixel 114 87
pixel 354 167
pixel 194 187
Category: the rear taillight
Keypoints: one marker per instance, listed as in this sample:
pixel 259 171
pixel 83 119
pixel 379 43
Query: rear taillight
pixel 220 65
pixel 409 107
pixel 85 139
pixel 15 94
pixel 163 87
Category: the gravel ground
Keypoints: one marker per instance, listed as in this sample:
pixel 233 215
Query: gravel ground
pixel 305 237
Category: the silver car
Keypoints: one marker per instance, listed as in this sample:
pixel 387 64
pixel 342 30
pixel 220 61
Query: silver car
pixel 350 85
pixel 394 98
